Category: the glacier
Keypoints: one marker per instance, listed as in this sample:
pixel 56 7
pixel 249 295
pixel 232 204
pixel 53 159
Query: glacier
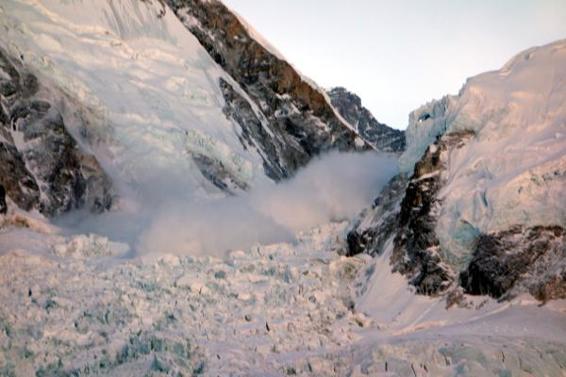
pixel 77 305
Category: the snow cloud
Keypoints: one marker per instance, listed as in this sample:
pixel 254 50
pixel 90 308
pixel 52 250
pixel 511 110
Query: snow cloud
pixel 335 186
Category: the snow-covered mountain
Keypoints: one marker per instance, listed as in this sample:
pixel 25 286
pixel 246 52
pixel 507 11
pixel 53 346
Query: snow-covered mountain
pixel 144 89
pixel 379 135
pixel 483 208
pixel 298 113
pixel 173 120
pixel 41 165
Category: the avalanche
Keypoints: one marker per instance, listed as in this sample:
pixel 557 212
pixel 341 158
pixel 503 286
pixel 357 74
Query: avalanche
pixel 75 302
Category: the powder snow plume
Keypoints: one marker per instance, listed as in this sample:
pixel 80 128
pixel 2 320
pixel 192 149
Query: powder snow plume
pixel 334 187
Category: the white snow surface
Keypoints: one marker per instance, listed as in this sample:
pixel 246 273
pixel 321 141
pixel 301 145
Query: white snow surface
pixel 84 305
pixel 151 87
pixel 513 171
pixel 77 305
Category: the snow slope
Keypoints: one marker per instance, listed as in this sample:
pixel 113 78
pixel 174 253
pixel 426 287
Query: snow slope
pixel 153 89
pixel 513 170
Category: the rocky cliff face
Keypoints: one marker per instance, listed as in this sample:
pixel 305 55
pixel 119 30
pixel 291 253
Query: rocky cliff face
pixel 300 121
pixel 416 250
pixel 41 165
pixel 482 211
pixel 379 135
pixel 374 227
pixel 530 259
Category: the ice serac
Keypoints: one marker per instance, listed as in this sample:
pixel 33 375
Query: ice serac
pixel 483 208
pixel 297 114
pixel 41 165
pixel 379 135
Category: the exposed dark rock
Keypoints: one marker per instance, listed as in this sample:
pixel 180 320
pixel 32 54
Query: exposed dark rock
pixel 301 121
pixel 18 182
pixel 530 258
pixel 3 205
pixel 45 169
pixel 379 135
pixel 405 210
pixel 424 116
pixel 254 135
pixel 553 288
pixel 375 225
pixel 217 174
pixel 416 251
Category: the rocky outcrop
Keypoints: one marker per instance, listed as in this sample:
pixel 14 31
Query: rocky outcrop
pixel 18 181
pixel 371 230
pixel 379 135
pixel 41 165
pixel 406 212
pixel 299 120
pixel 216 173
pixel 3 205
pixel 416 251
pixel 533 259
pixel 280 155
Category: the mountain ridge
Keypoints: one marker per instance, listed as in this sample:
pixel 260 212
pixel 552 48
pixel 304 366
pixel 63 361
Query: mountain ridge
pixel 379 135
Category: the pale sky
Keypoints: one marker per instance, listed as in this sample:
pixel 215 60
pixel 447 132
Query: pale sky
pixel 397 55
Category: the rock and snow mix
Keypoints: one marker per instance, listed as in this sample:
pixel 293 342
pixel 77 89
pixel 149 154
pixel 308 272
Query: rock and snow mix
pixel 86 304
pixel 512 170
pixel 483 209
pixel 151 88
